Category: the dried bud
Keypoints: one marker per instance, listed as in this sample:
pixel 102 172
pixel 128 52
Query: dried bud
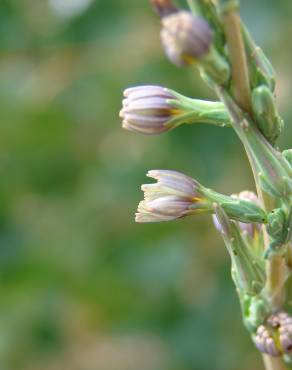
pixel 146 109
pixel 185 38
pixel 275 336
pixel 163 7
pixel 172 197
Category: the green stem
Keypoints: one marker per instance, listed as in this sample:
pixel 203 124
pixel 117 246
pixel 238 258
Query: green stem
pixel 240 75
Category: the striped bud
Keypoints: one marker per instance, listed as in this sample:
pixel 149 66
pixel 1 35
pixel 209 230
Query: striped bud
pixel 155 109
pixel 176 195
pixel 265 342
pixel 146 109
pixel 173 196
pixel 185 38
pixel 275 336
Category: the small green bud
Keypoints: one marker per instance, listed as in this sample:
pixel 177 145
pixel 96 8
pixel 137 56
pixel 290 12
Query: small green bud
pixel 268 120
pixel 261 69
pixel 279 228
pixel 287 154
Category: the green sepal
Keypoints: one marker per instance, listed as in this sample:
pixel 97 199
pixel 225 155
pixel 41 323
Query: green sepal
pixel 247 273
pixel 197 111
pixel 216 67
pixel 265 112
pixel 236 209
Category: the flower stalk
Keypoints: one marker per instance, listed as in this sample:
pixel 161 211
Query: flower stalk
pixel 257 232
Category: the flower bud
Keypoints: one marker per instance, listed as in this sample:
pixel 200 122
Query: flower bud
pixel 265 342
pixel 267 118
pixel 275 336
pixel 188 39
pixel 155 109
pixel 172 197
pixel 146 109
pixel 176 195
pixel 185 37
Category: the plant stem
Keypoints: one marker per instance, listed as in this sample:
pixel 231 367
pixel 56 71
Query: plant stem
pixel 235 42
pixel 273 363
pixel 275 266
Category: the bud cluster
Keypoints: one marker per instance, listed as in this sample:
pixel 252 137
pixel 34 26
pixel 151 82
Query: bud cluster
pixel 275 336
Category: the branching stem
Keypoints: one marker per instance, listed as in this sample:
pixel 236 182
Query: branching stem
pixel 275 267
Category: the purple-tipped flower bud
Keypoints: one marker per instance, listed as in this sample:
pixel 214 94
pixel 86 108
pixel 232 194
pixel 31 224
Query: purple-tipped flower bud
pixel 185 37
pixel 275 336
pixel 265 342
pixel 146 109
pixel 172 197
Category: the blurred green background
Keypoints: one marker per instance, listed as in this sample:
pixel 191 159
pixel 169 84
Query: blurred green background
pixel 82 286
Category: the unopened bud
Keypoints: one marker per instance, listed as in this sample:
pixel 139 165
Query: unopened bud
pixel 275 336
pixel 176 195
pixel 265 342
pixel 146 109
pixel 267 118
pixel 155 109
pixel 188 39
pixel 185 38
pixel 172 197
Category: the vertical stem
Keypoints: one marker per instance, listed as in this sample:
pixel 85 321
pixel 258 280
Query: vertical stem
pixel 235 42
pixel 273 363
pixel 240 75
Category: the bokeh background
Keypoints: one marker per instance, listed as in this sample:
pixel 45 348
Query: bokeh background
pixel 82 286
